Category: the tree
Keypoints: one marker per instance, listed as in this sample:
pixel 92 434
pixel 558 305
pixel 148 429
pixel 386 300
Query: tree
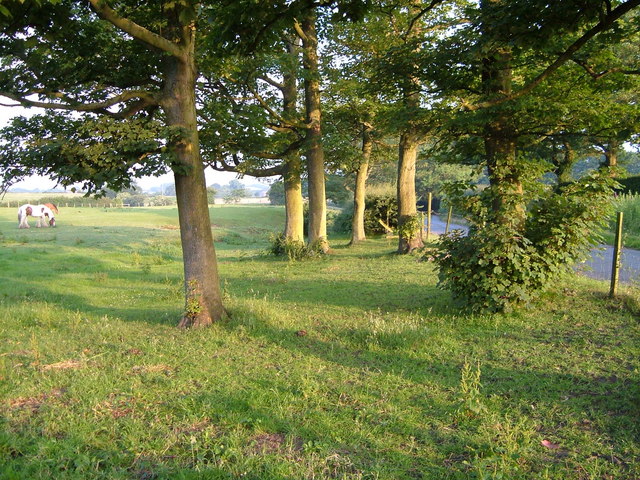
pixel 211 195
pixel 306 29
pixel 264 133
pixel 276 193
pixel 395 59
pixel 120 70
pixel 509 88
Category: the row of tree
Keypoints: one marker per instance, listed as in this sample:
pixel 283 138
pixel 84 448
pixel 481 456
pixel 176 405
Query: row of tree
pixel 294 87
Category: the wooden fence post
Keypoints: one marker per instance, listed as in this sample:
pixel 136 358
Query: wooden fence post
pixel 617 250
pixel 446 228
pixel 429 201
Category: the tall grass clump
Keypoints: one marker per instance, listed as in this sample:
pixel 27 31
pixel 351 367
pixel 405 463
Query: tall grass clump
pixel 629 205
pixel 294 250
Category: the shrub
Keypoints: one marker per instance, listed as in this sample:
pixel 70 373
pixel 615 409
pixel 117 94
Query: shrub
pixel 377 207
pixel 497 267
pixel 282 246
pixel 342 221
pixel 380 207
pixel 630 184
pixel 629 205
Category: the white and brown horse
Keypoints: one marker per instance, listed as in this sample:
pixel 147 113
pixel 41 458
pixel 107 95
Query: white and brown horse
pixel 44 214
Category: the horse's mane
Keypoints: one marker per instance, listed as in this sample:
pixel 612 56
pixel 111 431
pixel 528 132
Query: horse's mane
pixel 52 206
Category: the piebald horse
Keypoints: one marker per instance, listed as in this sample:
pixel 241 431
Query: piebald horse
pixel 44 214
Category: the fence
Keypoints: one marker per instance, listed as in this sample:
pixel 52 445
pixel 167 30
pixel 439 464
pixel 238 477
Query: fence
pixel 73 205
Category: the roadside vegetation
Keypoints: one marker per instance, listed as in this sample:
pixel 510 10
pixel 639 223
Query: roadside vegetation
pixel 353 365
pixel 629 205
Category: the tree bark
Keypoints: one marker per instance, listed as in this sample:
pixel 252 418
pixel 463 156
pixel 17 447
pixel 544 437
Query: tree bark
pixel 406 190
pixel 505 183
pixel 203 301
pixel 359 193
pixel 409 231
pixel 564 165
pixel 611 150
pixel 294 205
pixel 314 149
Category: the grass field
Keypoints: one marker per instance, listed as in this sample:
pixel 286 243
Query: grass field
pixel 354 366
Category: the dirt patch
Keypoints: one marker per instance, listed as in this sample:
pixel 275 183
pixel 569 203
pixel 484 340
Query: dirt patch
pixel 65 365
pixel 115 407
pixel 35 403
pixel 271 443
pixel 195 427
pixel 267 443
pixel 160 368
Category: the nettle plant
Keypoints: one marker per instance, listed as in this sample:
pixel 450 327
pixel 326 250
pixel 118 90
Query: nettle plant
pixel 501 265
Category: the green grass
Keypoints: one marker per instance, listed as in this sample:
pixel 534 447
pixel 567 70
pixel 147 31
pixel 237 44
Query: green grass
pixel 354 366
pixel 629 205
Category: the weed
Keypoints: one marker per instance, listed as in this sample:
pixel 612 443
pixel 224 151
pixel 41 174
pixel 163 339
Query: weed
pixel 472 402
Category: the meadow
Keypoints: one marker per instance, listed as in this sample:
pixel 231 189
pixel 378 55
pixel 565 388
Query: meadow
pixel 352 366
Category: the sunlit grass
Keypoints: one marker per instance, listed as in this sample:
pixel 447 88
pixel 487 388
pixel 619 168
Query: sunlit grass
pixel 353 366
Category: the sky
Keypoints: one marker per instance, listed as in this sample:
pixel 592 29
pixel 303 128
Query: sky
pixel 43 183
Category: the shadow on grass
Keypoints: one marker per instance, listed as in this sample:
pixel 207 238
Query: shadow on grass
pixel 613 401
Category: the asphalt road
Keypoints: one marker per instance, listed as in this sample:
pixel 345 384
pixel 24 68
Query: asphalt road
pixel 598 266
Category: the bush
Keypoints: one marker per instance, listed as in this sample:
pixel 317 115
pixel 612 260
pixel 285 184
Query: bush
pixel 377 207
pixel 630 184
pixel 342 221
pixel 293 250
pixel 380 207
pixel 497 267
pixel 629 205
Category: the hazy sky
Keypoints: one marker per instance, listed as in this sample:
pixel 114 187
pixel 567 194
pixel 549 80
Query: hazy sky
pixel 6 113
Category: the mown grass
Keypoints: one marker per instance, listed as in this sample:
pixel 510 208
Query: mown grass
pixel 354 366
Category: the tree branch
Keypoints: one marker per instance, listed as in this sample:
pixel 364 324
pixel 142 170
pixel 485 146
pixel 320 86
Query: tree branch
pixel 605 22
pixel 136 31
pixel 221 166
pixel 265 105
pixel 101 107
pixel 271 82
pixel 419 15
pixel 298 28
pixel 597 76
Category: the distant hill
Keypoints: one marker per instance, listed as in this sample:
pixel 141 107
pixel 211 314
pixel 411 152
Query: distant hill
pixel 35 190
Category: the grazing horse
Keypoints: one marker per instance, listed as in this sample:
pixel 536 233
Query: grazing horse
pixel 40 212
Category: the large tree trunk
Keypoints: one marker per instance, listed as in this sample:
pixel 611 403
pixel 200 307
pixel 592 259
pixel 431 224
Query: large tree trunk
pixel 505 180
pixel 203 302
pixel 409 230
pixel 294 205
pixel 314 150
pixel 359 193
pixel 564 165
pixel 409 239
pixel 611 151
